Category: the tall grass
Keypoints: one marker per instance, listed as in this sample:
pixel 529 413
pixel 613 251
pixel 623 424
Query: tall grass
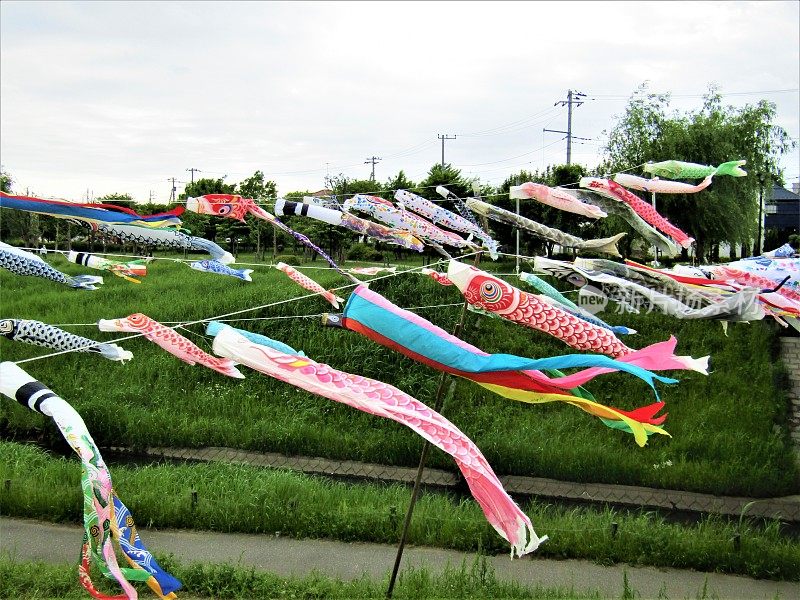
pixel 247 499
pixel 729 429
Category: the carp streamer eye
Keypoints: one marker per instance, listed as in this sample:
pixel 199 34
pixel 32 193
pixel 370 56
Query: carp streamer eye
pixel 137 319
pixel 491 292
pixel 6 326
pixel 224 209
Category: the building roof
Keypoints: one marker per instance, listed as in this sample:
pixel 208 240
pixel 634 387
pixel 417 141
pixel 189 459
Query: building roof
pixel 787 210
pixel 781 193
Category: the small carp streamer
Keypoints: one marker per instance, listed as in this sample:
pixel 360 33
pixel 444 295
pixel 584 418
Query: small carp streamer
pixel 513 377
pixel 370 271
pixel 436 276
pixel 309 284
pixel 126 270
pixel 101 507
pixel 383 400
pixel 236 207
pixel 675 169
pixel 442 216
pixel 169 340
pixel 338 218
pixel 216 267
pixel 659 186
pixel 604 245
pixel 489 293
pixel 162 238
pixel 614 191
pixel 90 213
pixel 49 336
pixel 21 262
pixel 557 198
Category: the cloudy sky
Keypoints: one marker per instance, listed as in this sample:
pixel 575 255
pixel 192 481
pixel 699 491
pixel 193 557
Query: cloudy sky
pixel 119 97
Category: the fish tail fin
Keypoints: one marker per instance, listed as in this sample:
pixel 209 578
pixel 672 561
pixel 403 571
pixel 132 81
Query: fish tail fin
pixel 605 245
pixel 661 357
pixel 246 274
pixel 86 282
pixel 732 168
pixel 227 367
pixel 125 277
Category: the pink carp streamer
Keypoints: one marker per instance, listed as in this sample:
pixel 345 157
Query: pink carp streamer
pixel 486 292
pixel 309 284
pixel 557 198
pixel 613 190
pixel 383 400
pixel 436 276
pixel 659 186
pixel 169 340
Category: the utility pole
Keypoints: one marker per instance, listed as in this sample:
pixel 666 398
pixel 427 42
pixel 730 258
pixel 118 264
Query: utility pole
pixel 444 137
pixel 192 171
pixel 151 196
pixel 372 160
pixel 573 99
pixel 172 193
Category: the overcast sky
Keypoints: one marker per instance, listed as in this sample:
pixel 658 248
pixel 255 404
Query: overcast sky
pixel 119 97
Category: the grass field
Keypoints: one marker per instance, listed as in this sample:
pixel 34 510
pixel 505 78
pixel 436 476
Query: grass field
pixel 729 429
pixel 235 498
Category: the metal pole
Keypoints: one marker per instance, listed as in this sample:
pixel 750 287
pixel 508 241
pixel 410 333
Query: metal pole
pixel 517 257
pixel 443 151
pixel 439 401
pixel 569 129
pixel 655 248
pixel 760 215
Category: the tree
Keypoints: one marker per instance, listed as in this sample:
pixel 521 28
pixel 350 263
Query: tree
pixel 449 177
pixel 6 181
pixel 261 191
pixel 728 210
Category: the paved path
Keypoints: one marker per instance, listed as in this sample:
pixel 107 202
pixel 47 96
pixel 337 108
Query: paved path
pixel 36 541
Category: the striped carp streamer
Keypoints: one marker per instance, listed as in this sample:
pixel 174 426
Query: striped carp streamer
pixel 441 216
pixel 49 336
pixel 162 238
pixel 492 294
pixel 557 198
pixel 309 284
pixel 659 186
pixel 126 270
pixel 383 400
pixel 338 218
pixel 604 245
pixel 614 191
pixel 101 507
pixel 21 262
pixel 236 207
pixel 213 266
pixel 513 377
pixel 675 169
pixel 90 213
pixel 169 340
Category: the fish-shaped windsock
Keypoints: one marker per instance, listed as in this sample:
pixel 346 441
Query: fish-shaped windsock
pixel 675 169
pixel 49 336
pixel 613 190
pixel 605 245
pixel 214 327
pixel 213 266
pixel 383 400
pixel 659 186
pixel 556 197
pixel 438 277
pixel 309 284
pixel 169 340
pixel 99 499
pixel 372 270
pixel 24 263
pixel 163 238
pixel 125 270
pixel 492 294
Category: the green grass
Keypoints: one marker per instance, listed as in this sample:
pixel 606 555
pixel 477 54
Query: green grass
pixel 234 498
pixel 31 581
pixel 730 433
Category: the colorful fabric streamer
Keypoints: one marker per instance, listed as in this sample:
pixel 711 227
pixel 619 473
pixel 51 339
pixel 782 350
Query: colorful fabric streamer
pixel 309 284
pixel 383 400
pixel 214 327
pixel 24 263
pixel 556 197
pixel 162 238
pixel 604 245
pixel 461 207
pixel 659 186
pixel 49 336
pixel 442 216
pixel 169 340
pixel 126 270
pixel 338 218
pixel 216 267
pixel 372 270
pixel 438 277
pixel 675 169
pixel 614 191
pixel 100 527
pixel 513 377
pixel 90 213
